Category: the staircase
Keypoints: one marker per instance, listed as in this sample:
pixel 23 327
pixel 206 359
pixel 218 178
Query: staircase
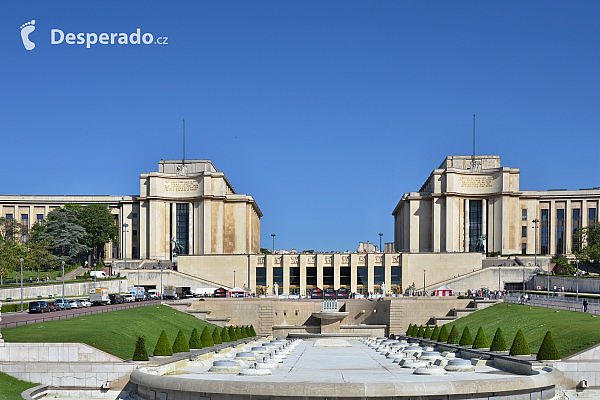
pixel 395 318
pixel 265 317
pixel 75 273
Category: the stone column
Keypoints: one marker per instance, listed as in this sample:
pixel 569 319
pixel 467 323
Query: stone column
pixel 466 219
pixel 484 221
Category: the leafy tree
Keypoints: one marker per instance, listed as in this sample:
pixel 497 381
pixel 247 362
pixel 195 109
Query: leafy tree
pixel 453 337
pixel 10 255
pixel 163 346
pixel 231 333
pixel 195 342
pixel 548 350
pixel 206 338
pixel 65 232
pixel 466 339
pixel 480 341
pixel 519 346
pixel 180 345
pixel 216 335
pixel 420 331
pixel 252 331
pixel 10 230
pixel 443 336
pixel 498 342
pixel 436 333
pixel 100 228
pixel 140 353
pixel 566 267
pixel 264 251
pixel 589 237
pixel 238 333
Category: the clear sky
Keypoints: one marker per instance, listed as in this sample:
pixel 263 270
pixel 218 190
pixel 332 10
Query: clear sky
pixel 326 112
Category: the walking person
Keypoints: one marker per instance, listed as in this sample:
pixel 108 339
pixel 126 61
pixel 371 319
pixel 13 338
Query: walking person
pixel 585 304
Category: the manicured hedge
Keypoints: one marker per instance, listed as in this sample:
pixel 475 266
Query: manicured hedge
pixel 436 333
pixel 466 339
pixel 548 350
pixel 216 335
pixel 206 338
pixel 480 341
pixel 163 346
pixel 498 342
pixel 453 337
pixel 180 345
pixel 519 347
pixel 140 353
pixel 443 337
pixel 427 333
pixel 195 342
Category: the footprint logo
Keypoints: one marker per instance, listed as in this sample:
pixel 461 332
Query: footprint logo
pixel 26 29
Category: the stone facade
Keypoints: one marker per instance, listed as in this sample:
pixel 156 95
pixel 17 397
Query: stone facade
pixel 471 199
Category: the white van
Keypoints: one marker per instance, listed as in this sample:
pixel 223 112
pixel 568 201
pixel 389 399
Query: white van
pixel 98 274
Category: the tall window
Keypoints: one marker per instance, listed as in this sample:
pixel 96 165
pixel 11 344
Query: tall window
pixel 278 277
pixel 183 227
pixel 24 225
pixel 523 248
pixel 327 277
pixel 261 276
pixel 362 279
pixel 475 224
pixel 524 215
pixel 560 231
pixel 591 216
pixel 576 224
pixel 544 237
pixel 39 217
pixel 396 276
pixel 523 231
pixel 379 276
pixel 311 277
pixel 345 277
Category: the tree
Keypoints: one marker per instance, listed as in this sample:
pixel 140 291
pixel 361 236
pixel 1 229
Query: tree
pixel 252 331
pixel 100 228
pixel 140 353
pixel 466 339
pixel 443 336
pixel 589 238
pixel 163 346
pixel 480 341
pixel 195 342
pixel 453 337
pixel 436 333
pixel 548 350
pixel 498 342
pixel 180 345
pixel 216 335
pixel 10 255
pixel 427 333
pixel 409 330
pixel 225 335
pixel 65 232
pixel 10 230
pixel 519 346
pixel 420 331
pixel 232 333
pixel 206 338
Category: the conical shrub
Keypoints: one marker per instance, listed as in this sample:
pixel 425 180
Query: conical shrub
pixel 415 330
pixel 548 350
pixel 245 333
pixel 409 330
pixel 427 332
pixel 480 341
pixel 420 331
pixel 453 337
pixel 225 335
pixel 498 342
pixel 216 335
pixel 231 333
pixel 180 345
pixel 140 353
pixel 163 346
pixel 436 333
pixel 195 342
pixel 238 333
pixel 443 337
pixel 252 331
pixel 519 346
pixel 466 339
pixel 206 338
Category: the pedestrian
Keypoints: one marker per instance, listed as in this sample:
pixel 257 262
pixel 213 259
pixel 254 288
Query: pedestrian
pixel 585 304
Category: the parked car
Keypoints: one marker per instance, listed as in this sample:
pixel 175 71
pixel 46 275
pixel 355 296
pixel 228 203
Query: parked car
pixel 75 303
pixel 86 302
pixel 63 304
pixel 115 298
pixel 129 298
pixel 38 307
pixel 53 307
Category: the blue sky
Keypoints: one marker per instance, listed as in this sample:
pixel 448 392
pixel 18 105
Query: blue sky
pixel 326 112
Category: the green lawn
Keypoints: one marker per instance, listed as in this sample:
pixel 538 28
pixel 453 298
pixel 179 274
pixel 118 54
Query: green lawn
pixel 113 332
pixel 572 331
pixel 11 388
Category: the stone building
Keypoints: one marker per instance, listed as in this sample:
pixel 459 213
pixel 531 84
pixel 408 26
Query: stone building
pixel 473 203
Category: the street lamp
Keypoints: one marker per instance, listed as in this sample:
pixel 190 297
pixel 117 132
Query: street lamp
pixel 380 248
pixel 161 285
pixel 424 291
pixel 577 281
pixel 273 236
pixel 63 268
pixel 234 278
pixel 21 284
pixel 95 273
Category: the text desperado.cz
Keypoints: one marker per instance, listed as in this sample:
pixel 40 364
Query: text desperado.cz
pixel 57 37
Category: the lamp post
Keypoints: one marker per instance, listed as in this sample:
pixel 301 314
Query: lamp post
pixel 125 225
pixel 234 278
pixel 161 285
pixel 424 291
pixel 21 284
pixel 63 269
pixel 95 273
pixel 367 249
pixel 577 281
pixel 273 236
pixel 380 248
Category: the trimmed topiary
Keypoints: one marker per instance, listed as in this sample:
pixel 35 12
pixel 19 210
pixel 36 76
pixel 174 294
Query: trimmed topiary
pixel 519 346
pixel 427 332
pixel 252 331
pixel 453 337
pixel 206 338
pixel 163 346
pixel 548 350
pixel 480 341
pixel 436 333
pixel 245 333
pixel 225 335
pixel 466 339
pixel 498 342
pixel 216 335
pixel 180 345
pixel 140 353
pixel 409 330
pixel 238 333
pixel 443 336
pixel 231 333
pixel 415 330
pixel 195 342
pixel 420 331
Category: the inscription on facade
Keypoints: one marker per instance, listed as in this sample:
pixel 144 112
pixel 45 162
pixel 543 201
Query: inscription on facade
pixel 476 182
pixel 181 186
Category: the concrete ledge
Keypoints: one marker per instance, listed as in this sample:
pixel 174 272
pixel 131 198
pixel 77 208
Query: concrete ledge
pixel 35 392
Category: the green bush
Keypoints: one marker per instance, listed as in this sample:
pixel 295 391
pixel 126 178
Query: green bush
pixel 427 332
pixel 8 308
pixel 498 342
pixel 238 333
pixel 415 330
pixel 163 346
pixel 245 333
pixel 453 337
pixel 480 341
pixel 443 336
pixel 409 330
pixel 436 333
pixel 466 339
pixel 420 331
pixel 206 338
pixel 140 353
pixel 180 345
pixel 231 333
pixel 461 297
pixel 225 335
pixel 252 331
pixel 216 335
pixel 548 350
pixel 519 346
pixel 195 342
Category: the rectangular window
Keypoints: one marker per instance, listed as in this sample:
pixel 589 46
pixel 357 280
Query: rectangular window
pixel 362 276
pixel 134 252
pixel 523 215
pixel 345 277
pixel 311 277
pixel 379 275
pixel 523 231
pixel 560 230
pixel 9 216
pixel 295 276
pixel 544 233
pixel 523 248
pixel 278 277
pixel 261 276
pixel 576 224
pixel 327 277
pixel 397 276
pixel 133 215
pixel 39 217
pixel 183 227
pixel 591 216
pixel 475 223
